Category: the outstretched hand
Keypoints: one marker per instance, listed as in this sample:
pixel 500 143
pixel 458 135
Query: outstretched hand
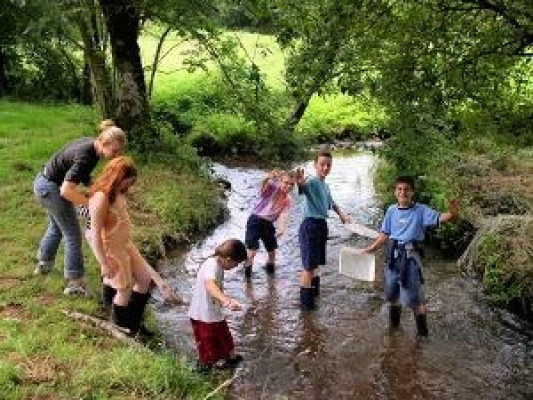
pixel 345 218
pixel 453 205
pixel 300 176
pixel 233 305
pixel 169 295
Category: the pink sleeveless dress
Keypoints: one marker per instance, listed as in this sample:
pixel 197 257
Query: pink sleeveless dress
pixel 119 248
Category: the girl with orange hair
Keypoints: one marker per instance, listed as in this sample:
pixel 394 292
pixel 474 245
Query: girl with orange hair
pixel 126 274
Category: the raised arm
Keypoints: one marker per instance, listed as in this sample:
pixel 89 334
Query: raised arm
pixel 300 180
pixel 452 213
pixel 275 173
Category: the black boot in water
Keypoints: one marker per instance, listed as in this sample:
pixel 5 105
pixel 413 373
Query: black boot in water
pixel 421 325
pixel 307 299
pixel 315 283
pixel 270 268
pixel 248 272
pixel 395 313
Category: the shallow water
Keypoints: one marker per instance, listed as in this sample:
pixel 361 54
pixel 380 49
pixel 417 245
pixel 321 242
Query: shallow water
pixel 344 350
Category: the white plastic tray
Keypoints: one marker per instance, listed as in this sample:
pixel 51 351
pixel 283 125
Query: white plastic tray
pixel 356 264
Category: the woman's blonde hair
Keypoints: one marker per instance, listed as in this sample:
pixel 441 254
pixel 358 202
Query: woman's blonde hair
pixel 110 132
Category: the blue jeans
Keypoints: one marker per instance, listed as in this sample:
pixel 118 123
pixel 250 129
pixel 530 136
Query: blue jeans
pixel 63 221
pixel 410 293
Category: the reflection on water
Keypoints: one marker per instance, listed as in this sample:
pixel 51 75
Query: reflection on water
pixel 344 350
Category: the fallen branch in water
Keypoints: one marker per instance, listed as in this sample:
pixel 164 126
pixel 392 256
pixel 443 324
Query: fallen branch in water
pixel 107 326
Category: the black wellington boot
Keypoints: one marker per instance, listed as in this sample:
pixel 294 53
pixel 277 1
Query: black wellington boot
pixel 121 316
pixel 307 299
pixel 137 305
pixel 395 313
pixel 108 293
pixel 270 268
pixel 315 283
pixel 248 272
pixel 421 325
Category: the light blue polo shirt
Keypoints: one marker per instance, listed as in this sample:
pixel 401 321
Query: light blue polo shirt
pixel 318 199
pixel 409 224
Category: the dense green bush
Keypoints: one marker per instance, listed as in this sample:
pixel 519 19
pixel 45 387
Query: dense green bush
pixel 338 117
pixel 46 72
pixel 503 260
pixel 223 134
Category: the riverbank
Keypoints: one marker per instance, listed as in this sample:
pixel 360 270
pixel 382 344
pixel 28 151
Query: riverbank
pixel 72 360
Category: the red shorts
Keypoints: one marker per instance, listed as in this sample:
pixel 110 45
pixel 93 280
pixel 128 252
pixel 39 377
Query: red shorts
pixel 213 340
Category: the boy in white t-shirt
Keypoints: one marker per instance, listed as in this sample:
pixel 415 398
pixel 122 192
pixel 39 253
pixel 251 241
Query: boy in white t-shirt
pixel 211 332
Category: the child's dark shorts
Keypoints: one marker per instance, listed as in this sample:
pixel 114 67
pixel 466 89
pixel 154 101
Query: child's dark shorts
pixel 258 228
pixel 410 293
pixel 313 235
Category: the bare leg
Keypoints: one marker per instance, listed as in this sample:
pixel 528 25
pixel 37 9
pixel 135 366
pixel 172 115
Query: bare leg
pixel 122 297
pixel 251 256
pixel 305 278
pixel 271 257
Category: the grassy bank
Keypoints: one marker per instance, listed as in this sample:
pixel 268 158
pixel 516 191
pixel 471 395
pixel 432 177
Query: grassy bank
pixel 44 354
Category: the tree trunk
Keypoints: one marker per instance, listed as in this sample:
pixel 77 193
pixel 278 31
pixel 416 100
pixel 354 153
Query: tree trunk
pixel 4 84
pixel 94 51
pixel 297 113
pixel 122 22
pixel 156 61
pixel 86 96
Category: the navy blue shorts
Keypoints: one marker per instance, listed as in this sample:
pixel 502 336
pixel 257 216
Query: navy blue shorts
pixel 410 294
pixel 258 228
pixel 313 236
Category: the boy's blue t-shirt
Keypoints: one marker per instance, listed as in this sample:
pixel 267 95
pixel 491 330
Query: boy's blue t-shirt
pixel 409 224
pixel 318 199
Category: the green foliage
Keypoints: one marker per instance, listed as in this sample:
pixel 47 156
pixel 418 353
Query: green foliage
pixel 223 134
pixel 338 117
pixel 500 285
pixel 41 61
pixel 187 212
pixel 9 377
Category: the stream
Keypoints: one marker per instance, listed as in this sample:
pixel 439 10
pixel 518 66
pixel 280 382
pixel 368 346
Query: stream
pixel 344 350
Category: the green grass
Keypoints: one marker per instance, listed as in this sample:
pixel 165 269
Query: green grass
pixel 327 117
pixel 43 353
